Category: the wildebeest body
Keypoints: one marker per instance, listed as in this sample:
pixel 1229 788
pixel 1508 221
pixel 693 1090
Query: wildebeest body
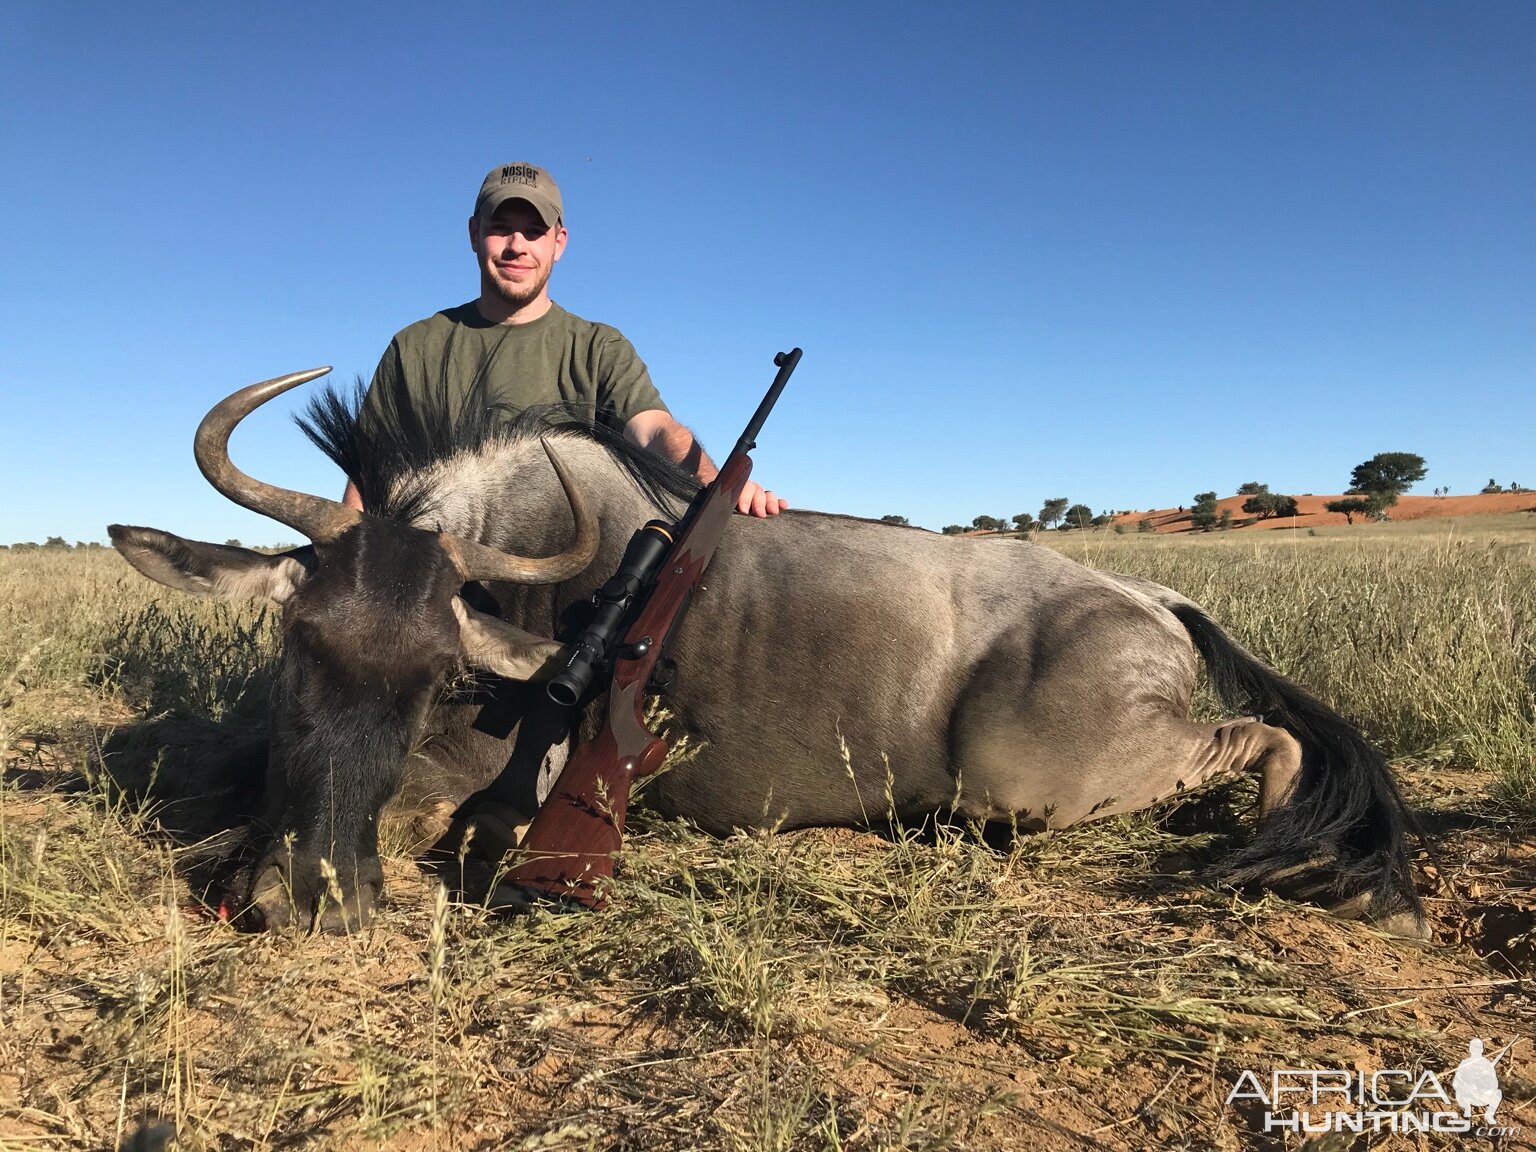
pixel 996 677
pixel 996 671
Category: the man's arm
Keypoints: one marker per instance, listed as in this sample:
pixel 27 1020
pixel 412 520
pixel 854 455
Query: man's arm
pixel 657 432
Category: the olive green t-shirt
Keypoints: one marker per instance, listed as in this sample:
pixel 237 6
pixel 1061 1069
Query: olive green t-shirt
pixel 590 369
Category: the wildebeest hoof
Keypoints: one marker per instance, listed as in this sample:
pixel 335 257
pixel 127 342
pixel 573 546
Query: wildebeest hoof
pixel 311 901
pixel 1405 925
pixel 1402 923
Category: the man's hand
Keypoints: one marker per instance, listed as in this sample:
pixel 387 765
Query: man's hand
pixel 758 501
pixel 657 432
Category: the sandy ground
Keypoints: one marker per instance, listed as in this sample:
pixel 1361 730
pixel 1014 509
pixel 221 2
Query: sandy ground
pixel 599 1056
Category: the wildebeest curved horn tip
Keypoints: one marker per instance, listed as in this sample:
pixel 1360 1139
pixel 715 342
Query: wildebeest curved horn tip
pixel 318 518
pixel 477 562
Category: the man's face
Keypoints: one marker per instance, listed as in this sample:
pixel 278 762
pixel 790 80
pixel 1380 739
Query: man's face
pixel 516 252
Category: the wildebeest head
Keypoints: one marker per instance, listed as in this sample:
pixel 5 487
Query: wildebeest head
pixel 373 626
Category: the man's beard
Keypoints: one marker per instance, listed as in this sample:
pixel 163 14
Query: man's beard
pixel 518 297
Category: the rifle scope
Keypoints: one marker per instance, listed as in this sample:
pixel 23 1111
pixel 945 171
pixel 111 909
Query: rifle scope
pixel 646 550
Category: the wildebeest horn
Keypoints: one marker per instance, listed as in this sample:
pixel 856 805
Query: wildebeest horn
pixel 477 562
pixel 323 520
pixel 320 519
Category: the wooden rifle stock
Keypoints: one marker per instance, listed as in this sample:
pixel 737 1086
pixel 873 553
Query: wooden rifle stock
pixel 579 829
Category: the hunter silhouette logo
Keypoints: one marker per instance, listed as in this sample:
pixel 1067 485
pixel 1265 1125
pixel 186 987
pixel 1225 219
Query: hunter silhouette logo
pixel 1476 1082
pixel 1314 1100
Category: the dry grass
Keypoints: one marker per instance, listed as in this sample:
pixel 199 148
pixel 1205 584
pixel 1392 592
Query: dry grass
pixel 916 988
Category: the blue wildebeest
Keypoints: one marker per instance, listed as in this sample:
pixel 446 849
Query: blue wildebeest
pixel 1002 682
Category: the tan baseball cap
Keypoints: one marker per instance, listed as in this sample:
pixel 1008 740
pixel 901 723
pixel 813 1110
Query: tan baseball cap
pixel 520 181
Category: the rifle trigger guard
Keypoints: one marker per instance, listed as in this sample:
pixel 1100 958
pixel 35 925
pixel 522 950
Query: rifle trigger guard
pixel 663 676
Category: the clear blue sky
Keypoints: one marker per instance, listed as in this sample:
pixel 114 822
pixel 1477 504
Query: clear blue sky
pixel 1119 252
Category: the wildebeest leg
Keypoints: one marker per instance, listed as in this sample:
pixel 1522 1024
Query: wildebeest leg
pixel 1123 769
pixel 1132 767
pixel 1276 756
pixel 1096 723
pixel 1250 745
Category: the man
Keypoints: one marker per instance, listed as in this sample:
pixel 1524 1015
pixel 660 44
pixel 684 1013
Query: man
pixel 529 349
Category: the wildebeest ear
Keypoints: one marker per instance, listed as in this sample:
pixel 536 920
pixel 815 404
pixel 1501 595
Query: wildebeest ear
pixel 212 569
pixel 499 647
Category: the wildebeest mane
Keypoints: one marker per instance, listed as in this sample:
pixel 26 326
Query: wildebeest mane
pixel 388 440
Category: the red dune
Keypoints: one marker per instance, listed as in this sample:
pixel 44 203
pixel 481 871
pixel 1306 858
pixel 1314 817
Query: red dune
pixel 1310 514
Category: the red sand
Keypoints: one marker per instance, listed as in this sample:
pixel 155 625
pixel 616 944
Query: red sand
pixel 1309 511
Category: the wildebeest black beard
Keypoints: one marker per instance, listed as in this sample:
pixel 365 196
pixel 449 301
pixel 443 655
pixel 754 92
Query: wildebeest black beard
pixel 336 754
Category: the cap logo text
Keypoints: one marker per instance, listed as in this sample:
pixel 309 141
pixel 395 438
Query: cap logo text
pixel 520 174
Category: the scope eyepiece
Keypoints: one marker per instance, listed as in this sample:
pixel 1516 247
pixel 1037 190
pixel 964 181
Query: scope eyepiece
pixel 571 682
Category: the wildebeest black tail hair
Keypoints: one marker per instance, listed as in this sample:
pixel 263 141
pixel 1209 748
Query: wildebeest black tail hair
pixel 1346 807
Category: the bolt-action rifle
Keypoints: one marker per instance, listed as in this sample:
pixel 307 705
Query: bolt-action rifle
pixel 573 840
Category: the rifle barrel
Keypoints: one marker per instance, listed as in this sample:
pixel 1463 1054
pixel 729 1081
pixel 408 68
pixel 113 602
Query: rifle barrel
pixel 786 362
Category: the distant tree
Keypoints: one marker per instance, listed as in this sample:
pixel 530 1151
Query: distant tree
pixel 894 520
pixel 1492 487
pixel 233 543
pixel 1053 510
pixel 1252 488
pixel 1224 521
pixel 1078 516
pixel 1350 506
pixel 1203 514
pixel 24 546
pixel 1393 472
pixel 1261 504
pixel 1266 504
pixel 1119 529
pixel 954 529
pixel 1145 524
pixel 56 542
pixel 1513 487
pixel 1101 519
pixel 988 524
pixel 1024 522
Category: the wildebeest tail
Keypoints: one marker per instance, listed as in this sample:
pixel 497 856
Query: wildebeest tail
pixel 1346 806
